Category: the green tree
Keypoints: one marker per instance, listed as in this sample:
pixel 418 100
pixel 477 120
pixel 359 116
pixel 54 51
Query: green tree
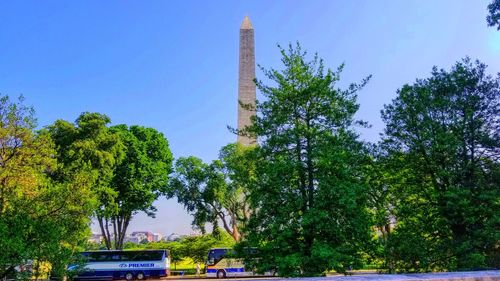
pixel 139 179
pixel 197 247
pixel 217 191
pixel 310 196
pixel 41 219
pixel 383 179
pixel 127 167
pixel 493 17
pixel 442 137
pixel 88 150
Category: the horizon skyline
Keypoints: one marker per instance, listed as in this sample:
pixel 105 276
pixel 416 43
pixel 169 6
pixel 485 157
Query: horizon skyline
pixel 139 76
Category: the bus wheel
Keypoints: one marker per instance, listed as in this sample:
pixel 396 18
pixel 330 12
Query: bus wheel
pixel 221 274
pixel 129 276
pixel 141 276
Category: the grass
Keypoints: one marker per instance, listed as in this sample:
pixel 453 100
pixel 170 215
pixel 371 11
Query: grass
pixel 187 265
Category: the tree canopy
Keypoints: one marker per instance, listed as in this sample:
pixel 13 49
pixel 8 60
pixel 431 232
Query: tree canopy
pixel 140 178
pixel 309 197
pixel 217 191
pixel 87 148
pixel 41 219
pixel 493 17
pixel 127 168
pixel 442 138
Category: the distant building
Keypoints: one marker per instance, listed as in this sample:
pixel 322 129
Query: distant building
pixel 157 237
pixel 194 234
pixel 133 239
pixel 174 237
pixel 96 238
pixel 144 235
pixel 140 236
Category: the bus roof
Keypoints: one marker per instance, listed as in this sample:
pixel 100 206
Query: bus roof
pixel 119 251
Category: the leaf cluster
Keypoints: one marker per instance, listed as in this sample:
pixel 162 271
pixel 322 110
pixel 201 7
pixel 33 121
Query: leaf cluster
pixel 493 18
pixel 42 219
pixel 216 192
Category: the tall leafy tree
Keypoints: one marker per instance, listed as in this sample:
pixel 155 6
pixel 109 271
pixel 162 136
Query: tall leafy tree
pixel 442 136
pixel 217 191
pixel 87 148
pixel 139 179
pixel 310 196
pixel 41 219
pixel 128 168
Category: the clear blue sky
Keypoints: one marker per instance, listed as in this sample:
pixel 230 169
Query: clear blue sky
pixel 172 65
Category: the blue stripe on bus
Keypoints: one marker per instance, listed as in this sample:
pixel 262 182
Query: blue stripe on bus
pixel 228 269
pixel 122 272
pixel 235 269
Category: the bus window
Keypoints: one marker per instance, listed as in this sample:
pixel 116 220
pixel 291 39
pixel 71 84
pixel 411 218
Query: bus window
pixel 150 256
pixel 222 263
pixel 215 255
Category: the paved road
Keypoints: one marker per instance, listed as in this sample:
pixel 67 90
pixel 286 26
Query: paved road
pixel 489 275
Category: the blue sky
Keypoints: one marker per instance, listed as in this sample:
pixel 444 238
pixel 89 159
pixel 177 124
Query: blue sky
pixel 172 65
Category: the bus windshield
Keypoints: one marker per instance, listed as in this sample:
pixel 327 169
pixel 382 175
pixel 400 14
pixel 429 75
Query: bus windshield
pixel 215 255
pixel 223 262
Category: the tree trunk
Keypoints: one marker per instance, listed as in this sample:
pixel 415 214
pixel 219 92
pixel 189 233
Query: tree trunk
pixel 115 232
pixel 107 232
pixel 302 179
pixel 226 227
pixel 310 171
pixel 103 232
pixel 236 233
pixel 119 223
pixel 122 222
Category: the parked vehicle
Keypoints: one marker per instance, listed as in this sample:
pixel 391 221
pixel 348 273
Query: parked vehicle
pixel 129 265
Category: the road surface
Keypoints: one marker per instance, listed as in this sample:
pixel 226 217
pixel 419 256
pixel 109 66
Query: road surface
pixel 490 275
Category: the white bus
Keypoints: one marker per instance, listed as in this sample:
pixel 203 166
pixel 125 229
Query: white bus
pixel 221 263
pixel 129 265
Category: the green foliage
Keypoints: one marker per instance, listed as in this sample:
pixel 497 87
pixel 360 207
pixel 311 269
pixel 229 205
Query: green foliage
pixel 441 146
pixel 310 197
pixel 196 247
pixel 493 17
pixel 190 247
pixel 93 246
pixel 87 148
pixel 141 177
pixel 42 219
pixel 88 151
pixel 127 168
pixel 216 191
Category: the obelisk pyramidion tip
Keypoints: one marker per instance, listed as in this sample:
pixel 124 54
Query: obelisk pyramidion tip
pixel 246 24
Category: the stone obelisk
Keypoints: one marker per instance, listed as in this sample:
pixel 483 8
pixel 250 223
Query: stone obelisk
pixel 246 84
